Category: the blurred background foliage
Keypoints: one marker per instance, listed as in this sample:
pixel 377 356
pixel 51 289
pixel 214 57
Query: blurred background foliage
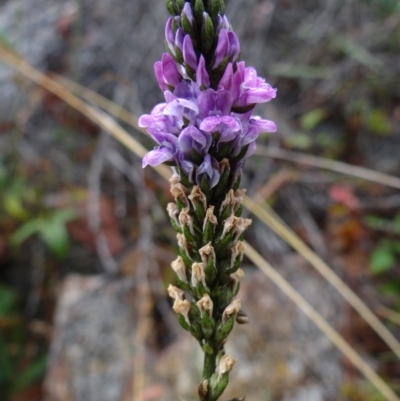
pixel 74 201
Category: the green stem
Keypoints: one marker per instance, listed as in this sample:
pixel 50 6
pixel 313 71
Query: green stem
pixel 209 365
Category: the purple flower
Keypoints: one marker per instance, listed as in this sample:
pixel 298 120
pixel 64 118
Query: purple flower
pixel 226 126
pixel 167 73
pixel 192 138
pixel 208 170
pixel 202 77
pixel 222 49
pixel 189 55
pixel 157 156
pixel 214 103
pixel 187 10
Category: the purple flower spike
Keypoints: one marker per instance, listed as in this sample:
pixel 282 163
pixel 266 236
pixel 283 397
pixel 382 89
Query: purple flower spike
pixel 210 170
pixel 157 156
pixel 202 77
pixel 222 48
pixel 189 55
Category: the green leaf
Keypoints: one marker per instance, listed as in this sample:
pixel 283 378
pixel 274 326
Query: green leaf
pixel 8 300
pixel 55 235
pixel 311 119
pixel 25 231
pixel 382 259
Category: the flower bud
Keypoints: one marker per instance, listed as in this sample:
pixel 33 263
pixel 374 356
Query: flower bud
pixel 237 251
pixel 173 212
pixel 176 293
pixel 210 218
pixel 203 390
pixel 197 197
pixel 198 275
pixel 230 225
pixel 206 305
pixel 185 219
pixel 182 242
pixel 225 365
pixel 182 308
pixel 231 310
pixel 207 33
pixel 179 267
pixel 189 55
pixel 236 277
pixel 178 191
pixel 207 254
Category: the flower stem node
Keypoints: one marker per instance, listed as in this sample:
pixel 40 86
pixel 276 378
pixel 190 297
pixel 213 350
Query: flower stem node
pixel 179 267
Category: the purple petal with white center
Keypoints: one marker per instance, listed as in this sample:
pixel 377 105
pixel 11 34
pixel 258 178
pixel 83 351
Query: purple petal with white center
pixel 157 156
pixel 222 48
pixel 210 169
pixel 189 55
pixel 202 77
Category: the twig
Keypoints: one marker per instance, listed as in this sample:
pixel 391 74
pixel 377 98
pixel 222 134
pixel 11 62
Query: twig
pixel 314 233
pixel 389 314
pixel 93 207
pixel 321 323
pixel 339 167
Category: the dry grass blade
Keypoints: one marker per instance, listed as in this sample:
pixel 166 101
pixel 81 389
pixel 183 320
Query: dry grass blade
pixel 322 324
pixel 109 125
pixel 268 216
pixel 339 167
